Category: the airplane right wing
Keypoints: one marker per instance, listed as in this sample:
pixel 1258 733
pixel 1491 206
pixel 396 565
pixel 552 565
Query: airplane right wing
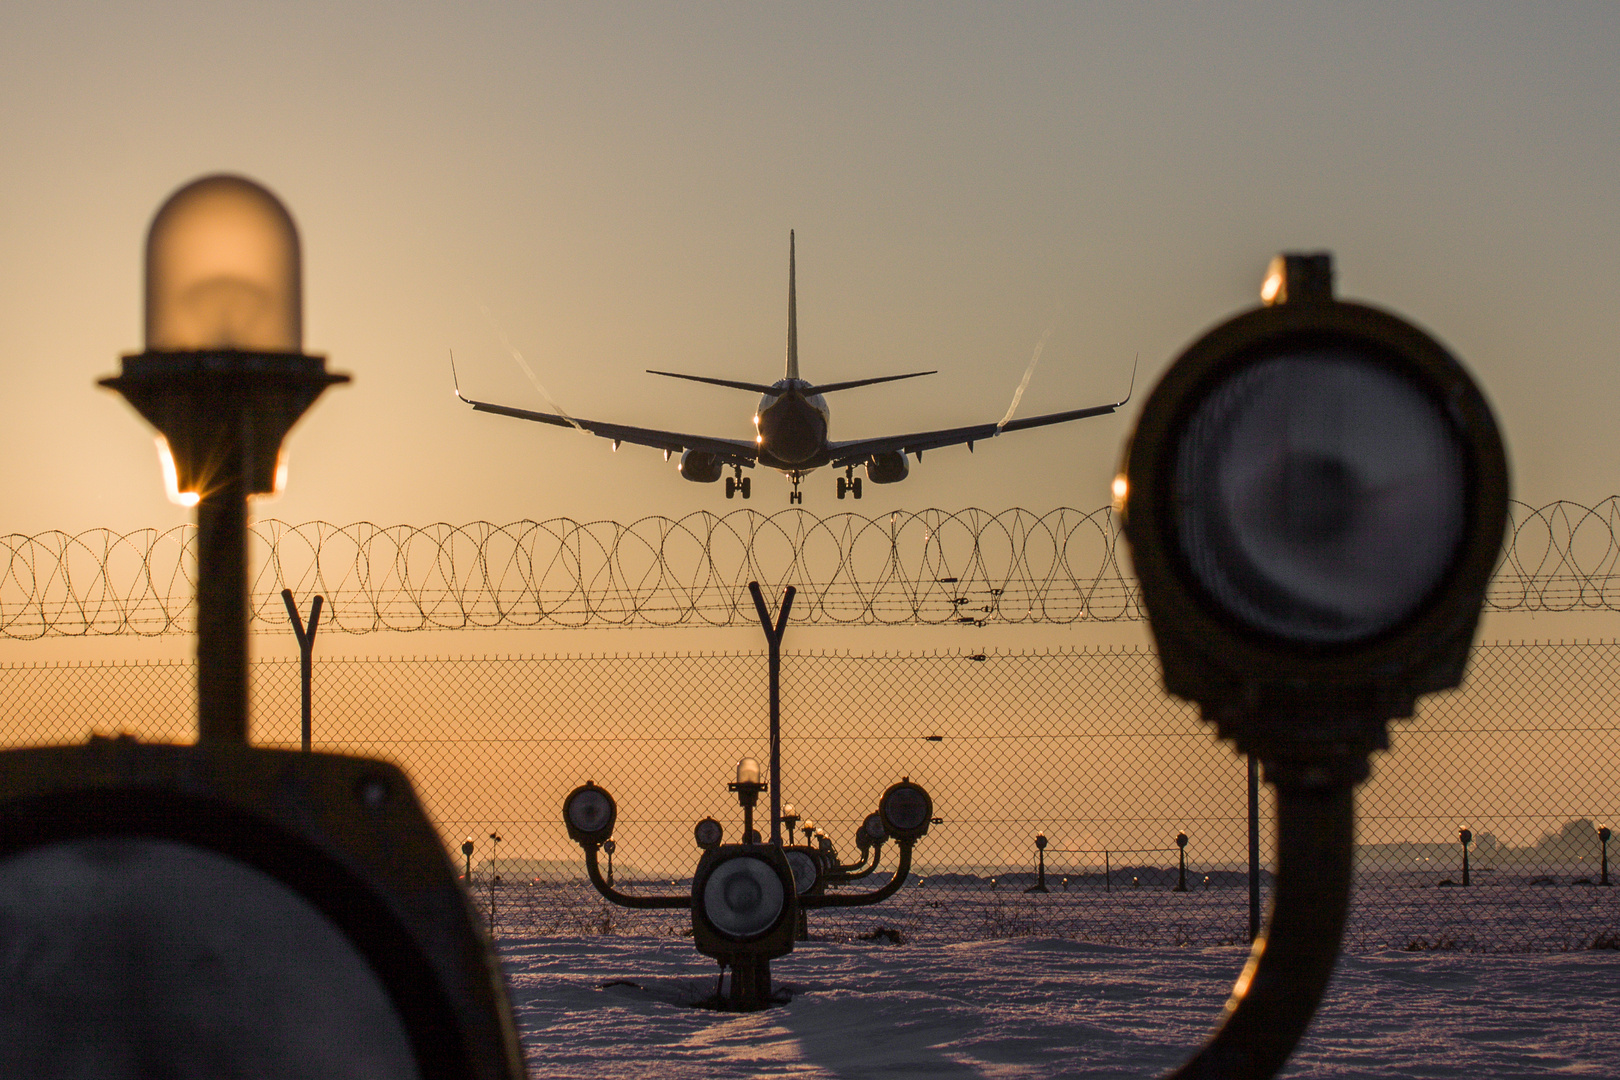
pixel 858 450
pixel 730 451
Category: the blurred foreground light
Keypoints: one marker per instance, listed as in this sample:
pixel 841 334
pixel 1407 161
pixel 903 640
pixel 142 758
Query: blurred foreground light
pixel 133 957
pixel 224 376
pixel 1315 497
pixel 224 271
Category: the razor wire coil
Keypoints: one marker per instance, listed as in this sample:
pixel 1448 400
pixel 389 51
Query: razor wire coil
pixel 929 567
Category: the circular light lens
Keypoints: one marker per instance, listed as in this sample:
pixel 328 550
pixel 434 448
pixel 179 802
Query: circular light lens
pixel 804 870
pixel 874 828
pixel 589 810
pixel 743 897
pixel 1319 496
pixel 707 833
pixel 149 957
pixel 906 809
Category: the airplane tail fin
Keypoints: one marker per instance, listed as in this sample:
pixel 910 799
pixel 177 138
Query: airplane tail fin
pixel 793 317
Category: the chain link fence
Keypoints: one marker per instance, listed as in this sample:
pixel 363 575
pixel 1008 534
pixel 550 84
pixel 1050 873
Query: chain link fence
pixel 1080 745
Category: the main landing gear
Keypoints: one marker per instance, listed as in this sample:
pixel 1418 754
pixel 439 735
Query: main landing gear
pixel 849 483
pixel 738 483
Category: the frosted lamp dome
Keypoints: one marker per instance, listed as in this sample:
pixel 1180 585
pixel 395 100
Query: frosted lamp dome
pixel 223 271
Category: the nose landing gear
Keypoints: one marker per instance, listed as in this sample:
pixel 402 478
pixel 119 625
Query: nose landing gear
pixel 849 483
pixel 738 484
pixel 795 496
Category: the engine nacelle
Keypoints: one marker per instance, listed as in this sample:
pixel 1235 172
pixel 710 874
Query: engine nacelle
pixel 887 468
pixel 700 466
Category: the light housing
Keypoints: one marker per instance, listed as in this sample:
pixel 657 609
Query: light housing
pixel 708 833
pixel 224 376
pixel 209 842
pixel 744 902
pixel 589 813
pixel 906 811
pixel 806 867
pixel 1315 497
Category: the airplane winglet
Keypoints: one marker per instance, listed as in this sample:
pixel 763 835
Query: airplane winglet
pixel 455 381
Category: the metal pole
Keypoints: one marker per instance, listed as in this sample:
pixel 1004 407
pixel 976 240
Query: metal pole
pixel 773 641
pixel 306 651
pixel 222 608
pixel 1254 847
pixel 1108 872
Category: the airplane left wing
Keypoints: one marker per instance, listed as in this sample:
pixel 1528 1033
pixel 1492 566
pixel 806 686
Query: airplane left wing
pixel 730 451
pixel 858 450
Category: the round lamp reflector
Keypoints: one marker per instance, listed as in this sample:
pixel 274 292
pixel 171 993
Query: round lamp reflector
pixel 1319 496
pixel 743 897
pixel 707 833
pixel 589 810
pixel 906 810
pixel 140 957
pixel 804 870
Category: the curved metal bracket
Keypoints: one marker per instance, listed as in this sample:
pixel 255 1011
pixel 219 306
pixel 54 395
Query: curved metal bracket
pixel 626 899
pixel 828 900
pixel 1282 984
pixel 855 871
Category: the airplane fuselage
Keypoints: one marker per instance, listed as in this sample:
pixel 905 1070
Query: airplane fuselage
pixel 791 427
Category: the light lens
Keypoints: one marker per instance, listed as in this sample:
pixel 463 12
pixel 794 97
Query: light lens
pixel 747 771
pixel 1319 496
pixel 905 809
pixel 804 870
pixel 874 828
pixel 743 897
pixel 148 957
pixel 589 810
pixel 707 833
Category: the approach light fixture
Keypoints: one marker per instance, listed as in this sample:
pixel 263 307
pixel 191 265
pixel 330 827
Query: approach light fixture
pixel 589 813
pixel 906 811
pixel 178 888
pixel 807 875
pixel 744 912
pixel 708 833
pixel 1315 496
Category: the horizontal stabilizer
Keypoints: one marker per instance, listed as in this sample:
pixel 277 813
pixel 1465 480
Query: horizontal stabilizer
pixel 758 388
pixel 830 387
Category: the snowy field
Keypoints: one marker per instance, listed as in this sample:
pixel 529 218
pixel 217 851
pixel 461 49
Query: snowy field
pixel 1388 912
pixel 619 1006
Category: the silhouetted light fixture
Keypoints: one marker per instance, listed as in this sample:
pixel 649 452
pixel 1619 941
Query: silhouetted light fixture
pixel 1315 496
pixel 223 379
pixel 906 810
pixel 589 813
pixel 708 833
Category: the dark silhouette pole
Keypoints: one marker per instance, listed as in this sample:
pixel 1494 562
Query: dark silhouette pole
pixel 609 846
pixel 1181 876
pixel 1040 865
pixel 306 649
pixel 466 854
pixel 1465 837
pixel 773 640
pixel 1254 847
pixel 1603 835
pixel 494 877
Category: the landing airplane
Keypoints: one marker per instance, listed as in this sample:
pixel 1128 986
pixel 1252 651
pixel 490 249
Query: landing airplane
pixel 791 424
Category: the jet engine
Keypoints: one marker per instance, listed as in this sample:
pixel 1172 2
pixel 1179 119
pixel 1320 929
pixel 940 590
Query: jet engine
pixel 889 467
pixel 700 466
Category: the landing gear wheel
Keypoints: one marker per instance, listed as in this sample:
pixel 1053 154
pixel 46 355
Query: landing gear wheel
pixel 855 487
pixel 849 484
pixel 731 488
pixel 745 485
pixel 843 487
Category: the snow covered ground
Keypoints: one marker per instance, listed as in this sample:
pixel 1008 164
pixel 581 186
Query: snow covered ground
pixel 618 1006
